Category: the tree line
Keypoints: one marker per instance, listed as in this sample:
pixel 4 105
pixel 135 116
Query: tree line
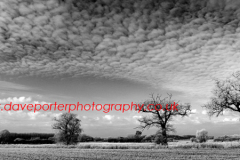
pixel 49 138
pixel 26 138
pixel 226 97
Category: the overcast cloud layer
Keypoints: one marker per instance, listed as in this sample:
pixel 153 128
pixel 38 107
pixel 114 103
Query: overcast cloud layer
pixel 178 46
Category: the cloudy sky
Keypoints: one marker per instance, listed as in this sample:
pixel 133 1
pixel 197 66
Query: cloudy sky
pixel 116 51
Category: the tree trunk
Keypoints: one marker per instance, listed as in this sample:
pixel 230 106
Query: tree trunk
pixel 164 134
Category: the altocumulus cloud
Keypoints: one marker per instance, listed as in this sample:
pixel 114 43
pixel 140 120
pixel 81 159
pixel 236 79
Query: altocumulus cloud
pixel 180 45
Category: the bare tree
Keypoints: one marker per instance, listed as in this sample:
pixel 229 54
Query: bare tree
pixel 68 126
pixel 226 96
pixel 162 111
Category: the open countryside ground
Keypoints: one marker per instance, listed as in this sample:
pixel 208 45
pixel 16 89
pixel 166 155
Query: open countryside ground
pixel 123 151
pixel 107 145
pixel 124 154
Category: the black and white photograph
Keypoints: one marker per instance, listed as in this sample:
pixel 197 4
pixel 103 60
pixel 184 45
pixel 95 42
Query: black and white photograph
pixel 119 79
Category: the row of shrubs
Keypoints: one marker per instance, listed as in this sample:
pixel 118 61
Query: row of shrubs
pixel 48 138
pixel 219 139
pixel 132 138
pixel 36 140
pixel 26 138
pixel 86 138
pixel 227 139
pixel 30 135
pixel 42 138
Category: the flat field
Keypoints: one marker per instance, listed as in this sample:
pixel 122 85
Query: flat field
pixel 117 154
pixel 122 151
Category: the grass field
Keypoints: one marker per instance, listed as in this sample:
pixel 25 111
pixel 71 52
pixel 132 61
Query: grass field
pixel 123 151
pixel 124 154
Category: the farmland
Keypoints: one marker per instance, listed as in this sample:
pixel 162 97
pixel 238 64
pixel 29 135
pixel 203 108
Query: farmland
pixel 140 154
pixel 108 151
